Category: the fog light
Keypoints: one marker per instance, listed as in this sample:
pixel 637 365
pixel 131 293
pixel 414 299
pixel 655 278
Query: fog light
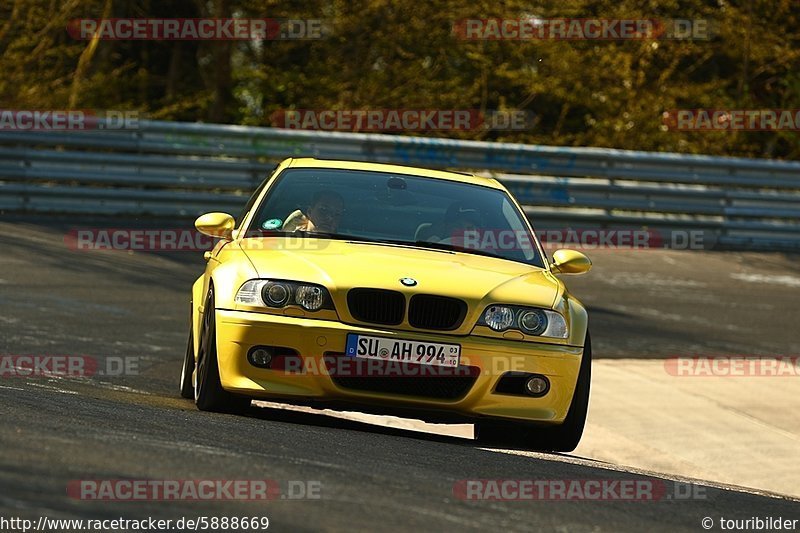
pixel 260 357
pixel 537 386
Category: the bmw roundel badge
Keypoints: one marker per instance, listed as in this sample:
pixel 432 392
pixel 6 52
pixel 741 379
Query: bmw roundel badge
pixel 408 282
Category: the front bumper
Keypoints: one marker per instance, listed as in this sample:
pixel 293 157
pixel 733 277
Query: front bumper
pixel 239 331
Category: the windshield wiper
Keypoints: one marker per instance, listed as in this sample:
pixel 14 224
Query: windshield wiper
pixel 456 248
pixel 438 246
pixel 388 242
pixel 321 235
pixel 308 235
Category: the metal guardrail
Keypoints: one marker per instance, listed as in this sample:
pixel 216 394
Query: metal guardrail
pixel 174 169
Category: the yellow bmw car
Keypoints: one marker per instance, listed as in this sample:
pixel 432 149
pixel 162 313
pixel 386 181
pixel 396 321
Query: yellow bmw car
pixel 391 289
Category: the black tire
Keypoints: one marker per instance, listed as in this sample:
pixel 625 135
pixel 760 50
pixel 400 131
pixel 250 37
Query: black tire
pixel 208 392
pixel 187 383
pixel 562 438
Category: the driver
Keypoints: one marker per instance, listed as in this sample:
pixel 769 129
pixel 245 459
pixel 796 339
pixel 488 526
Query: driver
pixel 323 214
pixel 456 222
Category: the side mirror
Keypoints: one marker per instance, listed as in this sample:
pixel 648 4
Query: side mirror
pixel 570 262
pixel 218 225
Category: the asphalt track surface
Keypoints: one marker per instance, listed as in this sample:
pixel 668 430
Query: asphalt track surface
pixel 115 304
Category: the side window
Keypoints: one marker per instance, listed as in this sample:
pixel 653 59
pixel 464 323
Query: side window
pixel 252 200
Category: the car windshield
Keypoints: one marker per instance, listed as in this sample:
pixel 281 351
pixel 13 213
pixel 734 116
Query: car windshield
pixel 395 209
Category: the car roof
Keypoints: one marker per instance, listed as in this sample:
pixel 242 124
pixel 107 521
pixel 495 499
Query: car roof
pixel 310 162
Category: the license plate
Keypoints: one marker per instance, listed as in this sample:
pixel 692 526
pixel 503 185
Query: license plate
pixel 418 352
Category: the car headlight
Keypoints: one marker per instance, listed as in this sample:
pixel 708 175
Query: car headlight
pixel 309 297
pixel 533 322
pixel 280 293
pixel 528 320
pixel 276 293
pixel 499 317
pixel 249 293
pixel 556 326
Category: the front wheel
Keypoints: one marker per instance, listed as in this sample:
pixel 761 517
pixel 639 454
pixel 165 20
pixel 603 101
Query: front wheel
pixel 562 438
pixel 208 392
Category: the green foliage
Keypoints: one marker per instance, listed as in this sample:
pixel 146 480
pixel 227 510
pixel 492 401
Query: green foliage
pixel 386 54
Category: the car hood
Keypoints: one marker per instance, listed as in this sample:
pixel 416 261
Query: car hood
pixel 342 265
